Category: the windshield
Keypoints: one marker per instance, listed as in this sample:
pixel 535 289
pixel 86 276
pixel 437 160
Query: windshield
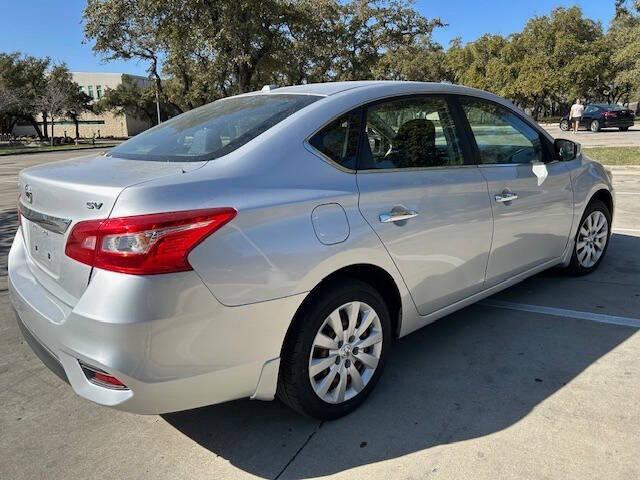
pixel 213 130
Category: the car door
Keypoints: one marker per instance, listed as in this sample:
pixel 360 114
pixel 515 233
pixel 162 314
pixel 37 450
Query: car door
pixel 590 113
pixel 428 203
pixel 531 196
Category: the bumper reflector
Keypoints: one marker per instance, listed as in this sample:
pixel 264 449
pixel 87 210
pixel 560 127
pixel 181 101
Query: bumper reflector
pixel 102 378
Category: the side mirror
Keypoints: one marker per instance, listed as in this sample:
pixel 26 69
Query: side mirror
pixel 566 150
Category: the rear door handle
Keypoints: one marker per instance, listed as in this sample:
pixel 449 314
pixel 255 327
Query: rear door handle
pixel 398 216
pixel 505 197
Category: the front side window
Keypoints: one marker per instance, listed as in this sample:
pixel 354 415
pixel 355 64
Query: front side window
pixel 414 132
pixel 213 130
pixel 502 137
pixel 339 139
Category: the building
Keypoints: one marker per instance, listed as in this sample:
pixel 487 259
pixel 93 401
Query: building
pixel 104 125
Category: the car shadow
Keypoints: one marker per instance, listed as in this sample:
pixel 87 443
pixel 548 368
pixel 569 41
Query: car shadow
pixel 8 227
pixel 472 374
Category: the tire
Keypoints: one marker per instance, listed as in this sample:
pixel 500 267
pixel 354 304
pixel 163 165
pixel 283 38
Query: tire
pixel 578 265
pixel 564 125
pixel 594 126
pixel 296 386
pixel 624 129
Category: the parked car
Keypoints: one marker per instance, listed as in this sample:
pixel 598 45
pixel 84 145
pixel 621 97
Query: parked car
pixel 274 244
pixel 600 115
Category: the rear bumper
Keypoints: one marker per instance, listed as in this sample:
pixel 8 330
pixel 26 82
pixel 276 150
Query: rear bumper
pixel 617 123
pixel 164 336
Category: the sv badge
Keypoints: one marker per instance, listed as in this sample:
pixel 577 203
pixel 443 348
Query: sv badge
pixel 94 205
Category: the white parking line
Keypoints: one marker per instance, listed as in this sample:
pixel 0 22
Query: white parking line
pixel 563 312
pixel 616 230
pixel 627 193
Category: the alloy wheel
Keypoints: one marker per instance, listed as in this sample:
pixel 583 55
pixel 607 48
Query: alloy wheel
pixel 345 352
pixel 592 239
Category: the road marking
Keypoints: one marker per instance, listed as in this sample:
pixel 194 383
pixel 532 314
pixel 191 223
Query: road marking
pixel 627 193
pixel 563 312
pixel 617 230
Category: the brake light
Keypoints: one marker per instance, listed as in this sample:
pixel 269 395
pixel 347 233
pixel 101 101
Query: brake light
pixel 144 244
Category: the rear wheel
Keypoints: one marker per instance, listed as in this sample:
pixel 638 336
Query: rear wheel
pixel 595 126
pixel 624 129
pixel 336 352
pixel 592 239
pixel 564 125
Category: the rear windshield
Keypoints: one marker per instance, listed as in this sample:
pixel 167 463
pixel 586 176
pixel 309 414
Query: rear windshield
pixel 213 130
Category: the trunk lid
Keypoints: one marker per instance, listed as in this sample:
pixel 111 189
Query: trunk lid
pixel 55 196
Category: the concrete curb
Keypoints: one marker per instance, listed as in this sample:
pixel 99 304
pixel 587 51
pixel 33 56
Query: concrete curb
pixel 9 154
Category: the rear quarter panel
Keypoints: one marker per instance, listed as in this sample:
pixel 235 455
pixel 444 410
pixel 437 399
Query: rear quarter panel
pixel 270 250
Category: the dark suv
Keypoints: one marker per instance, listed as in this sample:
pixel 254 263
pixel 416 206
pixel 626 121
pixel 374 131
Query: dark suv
pixel 600 115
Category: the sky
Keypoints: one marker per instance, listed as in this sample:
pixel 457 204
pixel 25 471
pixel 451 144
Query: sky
pixel 54 27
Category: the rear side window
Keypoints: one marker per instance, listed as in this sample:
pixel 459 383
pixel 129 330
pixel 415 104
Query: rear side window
pixel 414 132
pixel 502 137
pixel 213 130
pixel 339 139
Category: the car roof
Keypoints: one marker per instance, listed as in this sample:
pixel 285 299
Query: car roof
pixel 605 105
pixel 333 88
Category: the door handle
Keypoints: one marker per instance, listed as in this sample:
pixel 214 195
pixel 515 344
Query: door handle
pixel 398 216
pixel 505 197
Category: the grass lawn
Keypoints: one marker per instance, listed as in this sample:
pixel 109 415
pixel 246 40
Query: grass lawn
pixel 614 155
pixel 48 148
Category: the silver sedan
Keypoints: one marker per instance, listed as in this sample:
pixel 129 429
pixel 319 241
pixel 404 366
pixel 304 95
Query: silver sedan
pixel 276 243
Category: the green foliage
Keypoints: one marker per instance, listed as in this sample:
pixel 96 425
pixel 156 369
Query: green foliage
pixel 22 79
pixel 201 50
pixel 129 98
pixel 215 48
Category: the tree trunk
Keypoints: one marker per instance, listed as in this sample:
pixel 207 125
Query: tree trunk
pixel 52 123
pixel 76 122
pixel 244 78
pixel 37 128
pixel 45 129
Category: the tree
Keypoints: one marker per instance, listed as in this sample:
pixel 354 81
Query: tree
pixel 215 48
pixel 369 31
pixel 128 29
pixel 622 44
pixel 555 58
pixel 129 98
pixel 58 95
pixel 24 78
pixel 78 103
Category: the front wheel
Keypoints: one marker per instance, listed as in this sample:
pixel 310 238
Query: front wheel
pixel 624 129
pixel 336 351
pixel 564 125
pixel 592 239
pixel 595 126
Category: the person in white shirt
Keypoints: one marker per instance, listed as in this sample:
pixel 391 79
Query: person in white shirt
pixel 577 110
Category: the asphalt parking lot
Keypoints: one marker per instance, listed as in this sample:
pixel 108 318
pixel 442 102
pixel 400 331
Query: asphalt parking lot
pixel 540 381
pixel 610 137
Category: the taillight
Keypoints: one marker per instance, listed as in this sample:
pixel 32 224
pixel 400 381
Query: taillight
pixel 144 244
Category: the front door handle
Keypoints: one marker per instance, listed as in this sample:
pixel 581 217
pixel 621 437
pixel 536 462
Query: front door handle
pixel 398 216
pixel 505 197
